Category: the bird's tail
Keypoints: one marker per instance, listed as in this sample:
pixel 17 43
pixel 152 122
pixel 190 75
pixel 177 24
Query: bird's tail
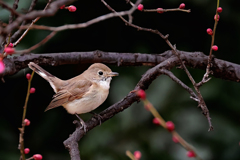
pixel 46 75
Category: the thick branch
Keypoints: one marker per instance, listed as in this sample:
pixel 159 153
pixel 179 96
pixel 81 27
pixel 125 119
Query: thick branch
pixel 221 69
pixel 146 80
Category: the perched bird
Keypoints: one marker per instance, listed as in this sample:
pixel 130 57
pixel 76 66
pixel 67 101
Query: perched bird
pixel 80 94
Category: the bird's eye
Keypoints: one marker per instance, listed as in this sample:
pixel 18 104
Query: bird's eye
pixel 100 73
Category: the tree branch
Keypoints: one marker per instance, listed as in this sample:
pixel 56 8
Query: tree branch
pixel 12 10
pixel 221 69
pixel 19 32
pixel 202 103
pixel 178 81
pixel 79 25
pixel 53 8
pixel 72 142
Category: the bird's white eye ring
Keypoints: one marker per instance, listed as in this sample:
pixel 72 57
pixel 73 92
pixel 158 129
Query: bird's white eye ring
pixel 100 73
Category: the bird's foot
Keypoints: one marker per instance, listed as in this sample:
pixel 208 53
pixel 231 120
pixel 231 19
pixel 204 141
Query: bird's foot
pixel 84 126
pixel 77 123
pixel 98 116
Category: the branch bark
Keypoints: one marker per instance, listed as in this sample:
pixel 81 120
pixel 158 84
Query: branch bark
pixel 221 69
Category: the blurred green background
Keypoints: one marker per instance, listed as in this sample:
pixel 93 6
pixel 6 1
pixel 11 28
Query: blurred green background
pixel 132 129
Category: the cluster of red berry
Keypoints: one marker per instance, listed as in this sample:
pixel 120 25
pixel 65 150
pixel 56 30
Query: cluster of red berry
pixel 69 8
pixel 27 150
pixel 169 125
pixel 159 10
pixel 210 31
pixel 9 50
pixel 27 123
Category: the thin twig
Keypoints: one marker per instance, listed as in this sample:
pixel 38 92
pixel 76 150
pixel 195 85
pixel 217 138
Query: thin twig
pixel 33 22
pixel 178 81
pixel 206 75
pixel 76 26
pixel 38 44
pixel 21 139
pixel 12 10
pixel 53 8
pixel 15 6
pixel 19 32
pixel 11 17
pixel 168 10
pixel 128 1
pixel 203 105
pixel 32 5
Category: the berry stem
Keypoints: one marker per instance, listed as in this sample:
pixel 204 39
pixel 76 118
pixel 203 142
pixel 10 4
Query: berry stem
pixel 155 113
pixel 27 97
pixel 212 43
pixel 168 10
pixel 130 155
pixel 21 139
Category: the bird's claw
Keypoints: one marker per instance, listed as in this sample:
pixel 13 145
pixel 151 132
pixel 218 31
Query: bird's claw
pixel 84 126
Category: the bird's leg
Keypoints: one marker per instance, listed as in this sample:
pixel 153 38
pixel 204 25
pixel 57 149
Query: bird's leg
pixel 83 123
pixel 98 116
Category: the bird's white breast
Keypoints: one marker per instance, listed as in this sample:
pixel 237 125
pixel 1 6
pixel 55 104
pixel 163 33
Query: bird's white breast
pixel 90 101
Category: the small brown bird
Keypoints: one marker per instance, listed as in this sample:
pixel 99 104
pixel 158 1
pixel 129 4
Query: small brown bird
pixel 81 94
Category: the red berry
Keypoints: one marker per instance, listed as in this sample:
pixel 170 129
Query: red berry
pixel 141 93
pixel 62 7
pixel 26 122
pixel 32 90
pixel 175 139
pixel 26 150
pixel 140 7
pixel 217 17
pixel 219 9
pixel 160 10
pixel 182 6
pixel 215 48
pixel 37 156
pixel 170 126
pixel 137 155
pixel 9 50
pixel 191 154
pixel 2 66
pixel 209 31
pixel 72 8
pixel 156 121
pixel 28 76
pixel 10 45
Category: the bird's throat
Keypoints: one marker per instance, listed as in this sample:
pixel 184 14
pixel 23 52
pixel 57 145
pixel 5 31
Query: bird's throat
pixel 104 84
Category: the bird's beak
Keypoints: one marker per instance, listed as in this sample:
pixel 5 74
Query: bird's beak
pixel 113 74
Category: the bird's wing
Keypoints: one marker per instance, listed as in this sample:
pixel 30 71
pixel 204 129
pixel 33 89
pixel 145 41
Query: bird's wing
pixel 69 93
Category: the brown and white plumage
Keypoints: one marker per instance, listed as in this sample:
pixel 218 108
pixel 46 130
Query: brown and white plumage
pixel 82 93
